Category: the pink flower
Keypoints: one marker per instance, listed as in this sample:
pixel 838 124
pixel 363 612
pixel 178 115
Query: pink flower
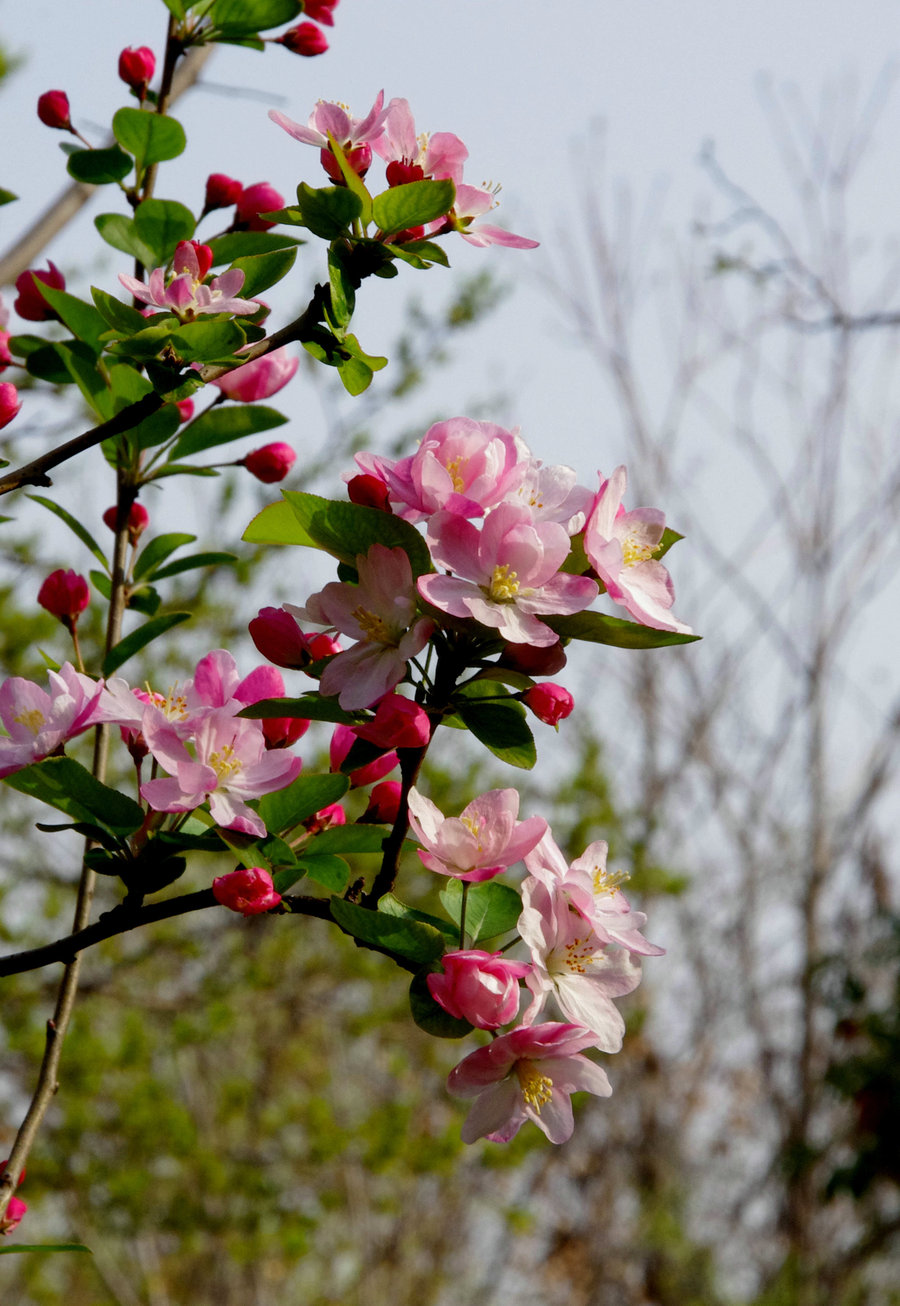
pixel 321 10
pixel 550 703
pixel 217 681
pixel 471 204
pixel 221 192
pixel 551 494
pixel 254 200
pixel 31 304
pixel 342 740
pixel 38 722
pixel 354 135
pixel 478 844
pixel 527 1074
pixel 480 987
pixel 137 523
pixel 65 595
pixel 305 39
pixel 12 1218
pixel 278 638
pixel 384 803
pixel 413 158
pixel 380 614
pixel 137 65
pixel 333 814
pixel 283 731
pixel 507 575
pixel 249 890
pixel 261 378
pixel 620 546
pixel 185 409
pixel 10 403
pixel 398 723
pixel 231 765
pixel 186 296
pixel 5 360
pixel 271 463
pixel 53 110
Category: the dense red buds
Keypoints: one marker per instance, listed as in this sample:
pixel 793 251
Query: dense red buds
pixel 221 192
pixel 31 304
pixel 398 723
pixel 65 594
pixel 369 491
pixel 550 703
pixel 137 65
pixel 256 199
pixel 138 521
pixel 10 403
pixel 249 890
pixel 270 463
pixel 305 39
pixel 321 10
pixel 53 110
pixel 280 640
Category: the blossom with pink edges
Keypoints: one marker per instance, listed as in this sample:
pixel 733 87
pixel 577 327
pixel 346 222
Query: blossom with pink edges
pixel 39 721
pixel 471 204
pixel 356 136
pixel 620 546
pixel 507 575
pixel 305 39
pixel 482 841
pixel 248 890
pixel 10 403
pixel 384 802
pixel 186 295
pixel 261 378
pixel 528 1074
pixel 409 157
pixel 480 987
pixel 380 614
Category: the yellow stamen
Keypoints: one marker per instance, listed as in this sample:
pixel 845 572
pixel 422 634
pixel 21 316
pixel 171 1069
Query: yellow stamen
pixel 504 584
pixel 33 718
pixel 475 829
pixel 537 1089
pixel 634 552
pixel 453 468
pixel 608 881
pixel 225 764
pixel 375 630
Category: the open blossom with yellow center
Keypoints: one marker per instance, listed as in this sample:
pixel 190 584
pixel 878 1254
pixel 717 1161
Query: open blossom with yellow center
pixel 527 1074
pixel 478 844
pixel 38 721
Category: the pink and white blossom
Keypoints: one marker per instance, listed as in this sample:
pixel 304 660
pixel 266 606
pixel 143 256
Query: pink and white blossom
pixel 471 204
pixel 528 1074
pixel 410 157
pixel 507 575
pixel 356 136
pixel 620 546
pixel 260 378
pixel 482 841
pixel 477 986
pixel 38 721
pixel 186 295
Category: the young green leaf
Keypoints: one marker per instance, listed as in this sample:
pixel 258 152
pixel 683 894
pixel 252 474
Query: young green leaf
pixel 331 872
pixel 158 550
pixel 222 424
pixel 502 728
pixel 597 628
pixel 307 795
pixel 404 938
pixel 413 204
pixel 66 785
pixel 83 320
pixel 329 211
pixel 150 137
pixel 99 167
pixel 119 231
pixel 263 270
pixel 347 529
pixel 492 908
pixel 161 224
pixel 213 558
pixel 138 639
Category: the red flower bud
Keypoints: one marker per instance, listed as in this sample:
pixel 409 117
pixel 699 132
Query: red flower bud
pixel 369 491
pixel 359 159
pixel 13 1215
pixel 334 814
pixel 31 304
pixel 384 803
pixel 342 740
pixel 53 110
pixel 270 463
pixel 256 199
pixel 279 639
pixel 282 731
pixel 185 409
pixel 305 39
pixel 320 10
pixel 65 594
pixel 221 192
pixel 249 890
pixel 136 66
pixel 10 403
pixel 138 521
pixel 534 661
pixel 398 723
pixel 5 336
pixel 399 172
pixel 550 703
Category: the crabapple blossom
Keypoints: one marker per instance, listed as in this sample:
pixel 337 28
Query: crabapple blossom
pixel 471 204
pixel 186 295
pixel 185 409
pixel 321 10
pixel 342 740
pixel 534 661
pixel 65 594
pixel 53 110
pixel 30 304
pixel 5 356
pixel 550 703
pixel 248 890
pixel 260 378
pixel 38 722
pixel 527 1074
pixel 482 841
pixel 413 158
pixel 380 614
pixel 507 575
pixel 254 200
pixel 369 491
pixel 10 403
pixel 324 818
pixel 551 494
pixel 271 463
pixel 355 136
pixel 480 987
pixel 13 1214
pixel 620 547
pixel 279 639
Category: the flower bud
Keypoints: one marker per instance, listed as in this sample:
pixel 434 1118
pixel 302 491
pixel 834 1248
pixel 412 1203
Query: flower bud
pixel 480 987
pixel 359 159
pixel 31 304
pixel 305 39
pixel 203 253
pixel 534 661
pixel 261 378
pixel 398 723
pixel 248 890
pixel 279 639
pixel 53 110
pixel 256 199
pixel 369 491
pixel 10 403
pixel 333 814
pixel 13 1215
pixel 384 803
pixel 320 10
pixel 399 172
pixel 65 595
pixel 137 65
pixel 137 523
pixel 221 192
pixel 550 703
pixel 283 731
pixel 270 463
pixel 185 409
pixel 342 740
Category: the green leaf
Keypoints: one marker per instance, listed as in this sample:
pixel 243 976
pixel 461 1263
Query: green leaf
pixel 430 1015
pixel 101 583
pixel 161 224
pixel 158 550
pixel 352 180
pixel 347 529
pixel 119 231
pixel 343 294
pixel 328 211
pixel 177 8
pixel 307 795
pixel 240 244
pixel 348 840
pixel 502 728
pixel 68 786
pixel 220 425
pixel 405 938
pixel 138 639
pixel 7 196
pixel 157 428
pixel 44 360
pixel 99 167
pixel 412 205
pixel 669 537
pixel 146 600
pixel 263 270
pixel 74 525
pixel 193 561
pixel 150 137
pixel 597 628
pixel 238 18
pixel 428 251
pixel 44 1247
pixel 392 906
pixel 145 345
pixel 312 707
pixel 331 872
pixel 122 317
pixel 82 319
pixel 492 908
pixel 276 524
pixel 208 341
